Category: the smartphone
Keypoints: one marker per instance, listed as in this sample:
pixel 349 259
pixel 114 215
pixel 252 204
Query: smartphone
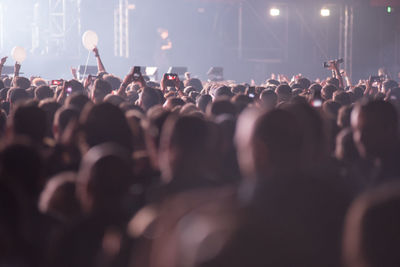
pixel 251 91
pixel 56 82
pixel 317 103
pixel 136 73
pixel 170 79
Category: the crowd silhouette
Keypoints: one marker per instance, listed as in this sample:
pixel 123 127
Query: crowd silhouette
pixel 112 172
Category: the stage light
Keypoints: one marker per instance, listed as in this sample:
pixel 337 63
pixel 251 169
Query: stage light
pixel 325 12
pixel 131 6
pixel 389 9
pixel 274 12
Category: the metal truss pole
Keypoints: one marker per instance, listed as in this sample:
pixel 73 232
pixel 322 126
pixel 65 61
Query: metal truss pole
pixel 121 29
pixel 346 37
pixel 57 26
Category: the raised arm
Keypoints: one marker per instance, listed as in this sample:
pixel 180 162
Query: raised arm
pixel 100 66
pixel 17 68
pixel 2 62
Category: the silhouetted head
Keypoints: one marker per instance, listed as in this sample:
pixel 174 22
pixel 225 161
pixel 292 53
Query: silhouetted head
pixel 50 106
pixel 104 178
pixel 375 127
pixel 29 121
pixel 268 143
pixel 114 81
pixel 371 236
pixel 185 148
pixel 43 92
pixel 77 100
pixel 21 82
pixel 221 106
pixel 58 197
pixel 327 91
pixel 62 118
pixel 103 123
pixel 101 89
pixel 203 101
pixel 284 93
pixel 149 98
pixel 268 99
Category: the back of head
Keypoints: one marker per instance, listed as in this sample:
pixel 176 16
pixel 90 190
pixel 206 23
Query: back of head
pixel 21 167
pixel 203 101
pixel 223 91
pixel 185 147
pixel 368 120
pixel 268 99
pixel 284 93
pixel 304 83
pixel 21 82
pixel 114 81
pixel 327 91
pixel 76 86
pixel 195 83
pixel 277 143
pixel 331 109
pixel 49 106
pixel 17 95
pixel 63 117
pixel 29 121
pixel 372 237
pixel 77 100
pixel 358 93
pixel 43 92
pixel 104 178
pixel 101 89
pixel 333 81
pixel 149 98
pixel 342 97
pixel 221 106
pixel 314 133
pixel 105 123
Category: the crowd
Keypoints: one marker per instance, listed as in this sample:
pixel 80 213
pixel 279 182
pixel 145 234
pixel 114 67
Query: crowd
pixel 112 172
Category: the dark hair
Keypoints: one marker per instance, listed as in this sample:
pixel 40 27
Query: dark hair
pixel 103 123
pixel 114 81
pixel 43 92
pixel 284 93
pixel 149 98
pixel 101 89
pixel 21 82
pixel 77 100
pixel 49 106
pixel 221 106
pixel 195 83
pixel 64 116
pixel 17 95
pixel 30 121
pixel 203 101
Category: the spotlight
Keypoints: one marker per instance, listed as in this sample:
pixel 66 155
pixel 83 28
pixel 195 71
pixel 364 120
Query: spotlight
pixel 274 12
pixel 325 12
pixel 389 9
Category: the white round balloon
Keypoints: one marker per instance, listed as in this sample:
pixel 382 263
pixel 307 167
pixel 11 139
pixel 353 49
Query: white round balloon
pixel 18 53
pixel 90 40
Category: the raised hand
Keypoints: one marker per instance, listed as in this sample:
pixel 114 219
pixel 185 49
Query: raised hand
pixel 17 68
pixel 96 51
pixel 3 61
